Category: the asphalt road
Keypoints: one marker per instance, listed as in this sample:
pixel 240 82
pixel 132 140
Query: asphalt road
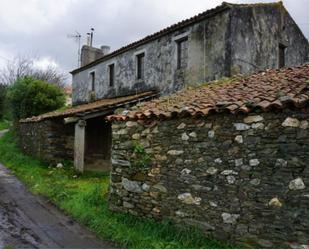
pixel 28 221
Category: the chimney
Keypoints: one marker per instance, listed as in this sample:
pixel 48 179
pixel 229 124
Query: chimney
pixel 90 54
pixel 105 49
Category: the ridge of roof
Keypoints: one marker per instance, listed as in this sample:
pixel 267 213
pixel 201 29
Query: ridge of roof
pixel 278 3
pixel 268 90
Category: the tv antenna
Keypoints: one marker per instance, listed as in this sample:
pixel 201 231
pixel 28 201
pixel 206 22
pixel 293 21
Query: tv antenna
pixel 77 37
pixel 90 37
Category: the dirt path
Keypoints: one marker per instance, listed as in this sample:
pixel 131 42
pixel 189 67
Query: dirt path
pixel 29 221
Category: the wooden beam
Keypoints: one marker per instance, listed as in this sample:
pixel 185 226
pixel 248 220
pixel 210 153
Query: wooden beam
pixel 69 120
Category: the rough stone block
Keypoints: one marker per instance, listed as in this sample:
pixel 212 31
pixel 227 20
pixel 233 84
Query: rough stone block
pixel 291 122
pixel 187 198
pixel 297 184
pixel 229 218
pixel 131 186
pixel 175 152
pixel 253 119
pixel 239 139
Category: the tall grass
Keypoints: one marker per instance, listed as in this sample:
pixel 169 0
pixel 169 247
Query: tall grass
pixel 85 199
pixel 4 124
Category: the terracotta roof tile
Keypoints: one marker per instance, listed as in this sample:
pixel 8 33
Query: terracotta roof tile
pixel 93 107
pixel 272 89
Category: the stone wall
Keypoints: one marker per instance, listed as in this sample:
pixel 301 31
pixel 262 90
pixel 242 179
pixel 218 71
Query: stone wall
pixel 49 140
pixel 239 178
pixel 255 46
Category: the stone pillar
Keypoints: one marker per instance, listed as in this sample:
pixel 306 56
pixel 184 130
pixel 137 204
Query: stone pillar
pixel 79 145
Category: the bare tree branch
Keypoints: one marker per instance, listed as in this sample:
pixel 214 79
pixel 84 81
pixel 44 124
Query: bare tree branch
pixel 22 66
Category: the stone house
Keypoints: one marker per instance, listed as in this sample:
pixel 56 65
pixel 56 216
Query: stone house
pixel 232 38
pixel 231 158
pixel 229 39
pixel 79 133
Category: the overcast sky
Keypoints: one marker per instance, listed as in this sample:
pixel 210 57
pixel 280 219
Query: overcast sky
pixel 40 27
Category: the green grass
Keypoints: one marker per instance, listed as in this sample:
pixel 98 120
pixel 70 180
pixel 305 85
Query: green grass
pixel 4 124
pixel 85 199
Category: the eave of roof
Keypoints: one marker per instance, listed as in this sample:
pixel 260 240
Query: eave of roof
pixel 265 91
pixel 93 107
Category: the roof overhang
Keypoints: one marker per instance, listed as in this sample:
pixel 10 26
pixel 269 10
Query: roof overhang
pixel 94 109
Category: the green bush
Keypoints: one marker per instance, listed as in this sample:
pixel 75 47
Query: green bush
pixel 3 90
pixel 31 97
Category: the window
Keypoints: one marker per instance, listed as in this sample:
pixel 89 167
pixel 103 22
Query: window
pixel 92 79
pixel 182 53
pixel 281 62
pixel 111 68
pixel 140 60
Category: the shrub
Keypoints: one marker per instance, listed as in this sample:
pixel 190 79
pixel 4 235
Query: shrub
pixel 3 89
pixel 31 97
pixel 140 159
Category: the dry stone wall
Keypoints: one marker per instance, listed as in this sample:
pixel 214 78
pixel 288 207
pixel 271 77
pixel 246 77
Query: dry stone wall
pixel 49 140
pixel 239 178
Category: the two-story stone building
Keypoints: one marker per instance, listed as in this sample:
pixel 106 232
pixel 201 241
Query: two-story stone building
pixel 229 39
pixel 232 38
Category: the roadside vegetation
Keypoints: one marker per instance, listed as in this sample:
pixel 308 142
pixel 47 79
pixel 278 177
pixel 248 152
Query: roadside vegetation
pixel 4 124
pixel 31 97
pixel 84 197
pixel 26 90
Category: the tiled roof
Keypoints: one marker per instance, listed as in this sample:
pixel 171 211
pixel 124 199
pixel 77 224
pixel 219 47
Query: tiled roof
pixel 172 28
pixel 93 107
pixel 272 89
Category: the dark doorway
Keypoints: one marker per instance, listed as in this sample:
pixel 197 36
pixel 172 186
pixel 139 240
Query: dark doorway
pixel 98 145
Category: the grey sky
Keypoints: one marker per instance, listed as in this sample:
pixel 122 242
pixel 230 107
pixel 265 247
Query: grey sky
pixel 40 27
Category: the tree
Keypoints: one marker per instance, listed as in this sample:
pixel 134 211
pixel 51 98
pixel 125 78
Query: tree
pixel 23 66
pixel 31 97
pixel 3 90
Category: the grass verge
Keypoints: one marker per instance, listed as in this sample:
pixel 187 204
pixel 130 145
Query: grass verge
pixel 4 124
pixel 85 199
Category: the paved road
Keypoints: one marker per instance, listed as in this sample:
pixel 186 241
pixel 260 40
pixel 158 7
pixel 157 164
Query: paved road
pixel 28 221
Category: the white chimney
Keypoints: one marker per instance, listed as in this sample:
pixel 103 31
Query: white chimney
pixel 105 49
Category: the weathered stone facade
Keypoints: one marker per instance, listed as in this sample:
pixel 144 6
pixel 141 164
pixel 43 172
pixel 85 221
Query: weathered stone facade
pixel 227 40
pixel 240 178
pixel 49 140
pixel 161 71
pixel 53 141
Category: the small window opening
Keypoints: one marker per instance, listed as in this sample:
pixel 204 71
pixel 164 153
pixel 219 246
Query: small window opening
pixel 92 78
pixel 111 74
pixel 140 66
pixel 282 49
pixel 182 53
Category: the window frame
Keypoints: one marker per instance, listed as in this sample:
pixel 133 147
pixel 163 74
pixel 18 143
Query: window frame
pixel 179 53
pixel 111 75
pixel 92 80
pixel 140 65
